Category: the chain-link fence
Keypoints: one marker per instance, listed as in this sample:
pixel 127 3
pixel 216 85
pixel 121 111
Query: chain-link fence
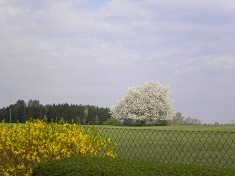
pixel 215 148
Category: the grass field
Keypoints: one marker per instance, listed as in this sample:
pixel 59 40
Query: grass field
pixel 210 145
pixel 183 128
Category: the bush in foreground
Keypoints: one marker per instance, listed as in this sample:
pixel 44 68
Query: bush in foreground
pixel 24 146
pixel 93 166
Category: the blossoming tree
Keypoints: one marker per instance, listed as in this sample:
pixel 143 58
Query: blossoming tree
pixel 148 103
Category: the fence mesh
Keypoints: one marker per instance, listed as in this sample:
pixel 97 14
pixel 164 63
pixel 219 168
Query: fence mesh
pixel 214 148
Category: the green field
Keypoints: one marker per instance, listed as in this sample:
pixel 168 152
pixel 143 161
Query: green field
pixel 209 145
pixel 183 128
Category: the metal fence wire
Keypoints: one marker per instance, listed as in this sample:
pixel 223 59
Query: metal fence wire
pixel 216 148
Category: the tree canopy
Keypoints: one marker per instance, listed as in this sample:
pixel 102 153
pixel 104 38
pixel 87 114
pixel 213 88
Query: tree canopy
pixel 148 103
pixel 81 114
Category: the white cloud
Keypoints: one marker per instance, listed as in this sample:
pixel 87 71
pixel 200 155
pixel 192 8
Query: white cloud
pixel 66 45
pixel 221 63
pixel 196 4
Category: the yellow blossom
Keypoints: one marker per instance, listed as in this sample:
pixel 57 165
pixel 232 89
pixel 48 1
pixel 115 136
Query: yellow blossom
pixel 23 146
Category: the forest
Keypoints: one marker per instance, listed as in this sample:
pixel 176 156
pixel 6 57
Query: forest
pixel 80 114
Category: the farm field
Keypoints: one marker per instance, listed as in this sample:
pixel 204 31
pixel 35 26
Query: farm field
pixel 209 145
pixel 183 128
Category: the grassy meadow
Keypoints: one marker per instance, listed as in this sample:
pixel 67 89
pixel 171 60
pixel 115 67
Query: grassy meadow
pixel 209 145
pixel 182 128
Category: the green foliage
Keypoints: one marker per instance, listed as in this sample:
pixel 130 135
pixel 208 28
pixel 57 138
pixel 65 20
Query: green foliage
pixel 179 119
pixel 80 114
pixel 113 122
pixel 87 166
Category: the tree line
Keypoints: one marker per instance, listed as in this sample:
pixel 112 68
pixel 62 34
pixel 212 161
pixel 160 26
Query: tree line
pixel 80 114
pixel 149 104
pixel 179 119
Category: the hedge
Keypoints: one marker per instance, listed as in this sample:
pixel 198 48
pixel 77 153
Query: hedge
pixel 91 166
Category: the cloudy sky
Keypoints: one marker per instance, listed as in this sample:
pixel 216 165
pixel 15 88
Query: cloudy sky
pixel 90 52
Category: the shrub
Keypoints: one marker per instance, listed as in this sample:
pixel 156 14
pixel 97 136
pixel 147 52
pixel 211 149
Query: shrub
pixel 87 166
pixel 24 146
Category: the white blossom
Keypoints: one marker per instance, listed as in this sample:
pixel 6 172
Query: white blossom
pixel 148 102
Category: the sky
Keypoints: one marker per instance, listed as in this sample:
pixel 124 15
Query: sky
pixel 91 52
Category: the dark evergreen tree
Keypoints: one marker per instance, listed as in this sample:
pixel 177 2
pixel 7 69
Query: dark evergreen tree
pixel 80 114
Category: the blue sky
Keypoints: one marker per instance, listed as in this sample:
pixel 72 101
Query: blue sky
pixel 90 52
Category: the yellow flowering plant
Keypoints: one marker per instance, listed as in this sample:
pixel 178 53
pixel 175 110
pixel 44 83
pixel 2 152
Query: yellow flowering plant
pixel 23 146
